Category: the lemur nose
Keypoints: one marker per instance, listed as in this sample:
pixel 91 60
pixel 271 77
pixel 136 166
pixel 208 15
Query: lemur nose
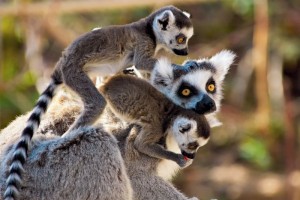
pixel 206 105
pixel 193 146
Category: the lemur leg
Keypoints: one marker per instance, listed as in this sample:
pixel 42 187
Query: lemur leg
pixel 146 144
pixel 94 102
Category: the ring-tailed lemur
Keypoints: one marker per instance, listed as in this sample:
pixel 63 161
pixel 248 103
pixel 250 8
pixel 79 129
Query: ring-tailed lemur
pixel 55 167
pixel 199 87
pixel 105 51
pixel 136 101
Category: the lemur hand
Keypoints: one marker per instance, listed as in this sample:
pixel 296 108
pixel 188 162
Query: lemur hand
pixel 180 68
pixel 190 65
pixel 186 67
pixel 183 161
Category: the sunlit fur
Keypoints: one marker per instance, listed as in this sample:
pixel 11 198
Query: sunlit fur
pixel 177 141
pixel 184 138
pixel 168 37
pixel 164 80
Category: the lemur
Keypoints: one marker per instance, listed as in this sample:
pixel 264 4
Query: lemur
pixel 55 164
pixel 106 51
pixel 58 123
pixel 136 101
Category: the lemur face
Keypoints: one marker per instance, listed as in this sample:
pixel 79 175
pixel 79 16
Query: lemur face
pixel 190 134
pixel 198 86
pixel 173 30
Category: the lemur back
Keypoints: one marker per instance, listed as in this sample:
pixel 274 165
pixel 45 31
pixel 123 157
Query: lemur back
pixel 120 46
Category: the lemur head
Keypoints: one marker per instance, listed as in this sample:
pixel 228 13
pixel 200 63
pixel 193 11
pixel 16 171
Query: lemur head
pixel 173 28
pixel 190 133
pixel 198 85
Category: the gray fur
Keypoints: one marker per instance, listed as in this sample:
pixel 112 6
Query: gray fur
pixel 72 157
pixel 86 164
pixel 105 51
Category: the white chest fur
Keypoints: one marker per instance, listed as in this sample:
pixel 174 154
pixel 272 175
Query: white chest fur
pixel 167 169
pixel 107 68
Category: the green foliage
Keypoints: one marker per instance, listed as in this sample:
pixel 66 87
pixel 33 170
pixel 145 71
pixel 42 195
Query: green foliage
pixel 254 150
pixel 17 84
pixel 242 7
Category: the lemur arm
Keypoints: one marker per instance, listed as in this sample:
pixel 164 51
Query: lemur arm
pixel 145 144
pixel 143 55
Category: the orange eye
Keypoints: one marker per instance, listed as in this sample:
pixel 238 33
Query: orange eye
pixel 211 87
pixel 180 40
pixel 186 92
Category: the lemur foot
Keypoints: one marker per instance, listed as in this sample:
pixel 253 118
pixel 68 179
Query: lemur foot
pixel 193 198
pixel 129 72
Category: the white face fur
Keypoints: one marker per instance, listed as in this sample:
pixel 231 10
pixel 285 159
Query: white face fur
pixel 169 35
pixel 202 82
pixel 187 137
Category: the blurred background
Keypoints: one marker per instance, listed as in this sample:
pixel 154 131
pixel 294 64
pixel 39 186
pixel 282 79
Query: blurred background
pixel 255 154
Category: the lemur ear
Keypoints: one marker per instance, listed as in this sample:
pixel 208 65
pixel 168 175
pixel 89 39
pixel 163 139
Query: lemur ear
pixel 166 18
pixel 222 61
pixel 187 14
pixel 162 74
pixel 213 120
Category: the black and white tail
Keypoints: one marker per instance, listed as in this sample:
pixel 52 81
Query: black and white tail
pixel 14 179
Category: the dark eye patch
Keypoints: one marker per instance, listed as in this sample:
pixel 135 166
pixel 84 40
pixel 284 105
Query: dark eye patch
pixel 179 36
pixel 209 82
pixel 185 85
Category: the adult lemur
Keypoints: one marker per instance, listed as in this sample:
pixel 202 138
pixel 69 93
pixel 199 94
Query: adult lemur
pixel 105 51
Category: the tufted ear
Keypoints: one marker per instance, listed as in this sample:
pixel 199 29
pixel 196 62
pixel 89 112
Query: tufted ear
pixel 162 74
pixel 213 120
pixel 187 14
pixel 165 18
pixel 222 61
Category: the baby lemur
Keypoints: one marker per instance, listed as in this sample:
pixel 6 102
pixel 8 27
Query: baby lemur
pixel 105 51
pixel 135 100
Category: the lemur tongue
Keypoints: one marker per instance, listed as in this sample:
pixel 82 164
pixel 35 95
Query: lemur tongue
pixel 188 155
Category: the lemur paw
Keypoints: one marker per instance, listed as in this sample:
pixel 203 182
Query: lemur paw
pixel 181 68
pixel 193 198
pixel 190 65
pixel 183 161
pixel 129 72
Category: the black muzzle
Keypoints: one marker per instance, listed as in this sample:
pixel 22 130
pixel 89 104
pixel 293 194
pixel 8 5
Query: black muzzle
pixel 181 52
pixel 206 105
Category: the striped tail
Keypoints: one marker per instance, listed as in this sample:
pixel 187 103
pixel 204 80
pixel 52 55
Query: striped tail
pixel 14 179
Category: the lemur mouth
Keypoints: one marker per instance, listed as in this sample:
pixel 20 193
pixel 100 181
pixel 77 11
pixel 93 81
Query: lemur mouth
pixel 181 52
pixel 189 155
